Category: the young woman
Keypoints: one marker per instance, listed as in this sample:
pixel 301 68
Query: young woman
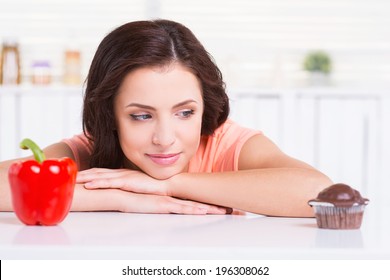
pixel 157 138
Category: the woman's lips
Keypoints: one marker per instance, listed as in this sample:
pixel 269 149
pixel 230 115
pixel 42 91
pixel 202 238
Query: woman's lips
pixel 164 159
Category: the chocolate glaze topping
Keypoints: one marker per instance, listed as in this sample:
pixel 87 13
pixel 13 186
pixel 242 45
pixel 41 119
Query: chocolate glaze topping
pixel 340 195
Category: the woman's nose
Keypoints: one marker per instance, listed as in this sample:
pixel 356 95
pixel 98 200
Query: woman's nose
pixel 164 134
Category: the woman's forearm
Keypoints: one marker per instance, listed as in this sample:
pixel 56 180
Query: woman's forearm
pixel 5 190
pixel 273 192
pixel 96 200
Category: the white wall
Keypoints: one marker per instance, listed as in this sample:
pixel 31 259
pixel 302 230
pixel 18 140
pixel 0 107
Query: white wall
pixel 257 43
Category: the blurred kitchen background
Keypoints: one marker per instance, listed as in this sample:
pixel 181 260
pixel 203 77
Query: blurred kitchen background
pixel 313 75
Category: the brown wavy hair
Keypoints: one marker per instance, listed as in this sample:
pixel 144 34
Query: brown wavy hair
pixel 144 44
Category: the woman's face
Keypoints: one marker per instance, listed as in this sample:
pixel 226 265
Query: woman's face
pixel 158 114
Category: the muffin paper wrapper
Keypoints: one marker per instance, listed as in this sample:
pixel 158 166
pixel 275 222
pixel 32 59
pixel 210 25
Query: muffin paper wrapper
pixel 339 217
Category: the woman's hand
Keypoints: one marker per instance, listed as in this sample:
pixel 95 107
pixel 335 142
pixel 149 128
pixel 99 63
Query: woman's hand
pixel 124 179
pixel 146 203
pixel 140 193
pixel 124 201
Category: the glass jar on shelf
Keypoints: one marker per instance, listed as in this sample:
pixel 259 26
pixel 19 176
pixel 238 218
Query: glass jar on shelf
pixel 10 63
pixel 72 71
pixel 41 72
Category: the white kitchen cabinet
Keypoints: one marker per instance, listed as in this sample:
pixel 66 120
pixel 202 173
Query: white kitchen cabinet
pixel 263 112
pixel 340 132
pixel 340 135
pixel 8 124
pixel 44 114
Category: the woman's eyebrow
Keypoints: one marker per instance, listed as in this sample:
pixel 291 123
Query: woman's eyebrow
pixel 185 102
pixel 143 106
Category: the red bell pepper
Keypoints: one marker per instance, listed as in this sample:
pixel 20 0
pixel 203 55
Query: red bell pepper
pixel 42 190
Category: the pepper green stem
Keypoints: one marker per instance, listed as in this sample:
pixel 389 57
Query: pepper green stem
pixel 37 152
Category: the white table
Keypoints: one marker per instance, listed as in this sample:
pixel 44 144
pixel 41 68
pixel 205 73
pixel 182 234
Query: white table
pixel 110 235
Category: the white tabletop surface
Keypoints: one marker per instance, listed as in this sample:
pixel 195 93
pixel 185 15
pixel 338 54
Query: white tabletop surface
pixel 111 235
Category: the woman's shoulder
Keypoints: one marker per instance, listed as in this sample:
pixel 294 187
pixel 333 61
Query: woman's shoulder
pixel 231 130
pixel 220 151
pixel 79 140
pixel 81 148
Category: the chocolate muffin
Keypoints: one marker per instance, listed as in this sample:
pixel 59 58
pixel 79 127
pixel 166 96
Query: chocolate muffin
pixel 339 207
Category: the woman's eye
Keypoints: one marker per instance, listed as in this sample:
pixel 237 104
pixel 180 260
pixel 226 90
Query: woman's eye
pixel 185 113
pixel 140 117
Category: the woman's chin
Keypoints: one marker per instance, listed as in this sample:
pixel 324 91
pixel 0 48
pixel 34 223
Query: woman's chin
pixel 163 174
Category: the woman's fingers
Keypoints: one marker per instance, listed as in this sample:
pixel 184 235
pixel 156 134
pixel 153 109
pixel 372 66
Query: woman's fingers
pixel 98 173
pixel 105 183
pixel 179 206
pixel 151 192
pixel 146 203
pixel 124 179
pixel 138 183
